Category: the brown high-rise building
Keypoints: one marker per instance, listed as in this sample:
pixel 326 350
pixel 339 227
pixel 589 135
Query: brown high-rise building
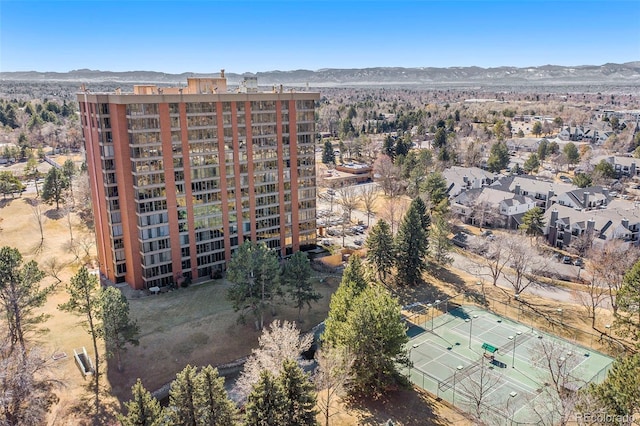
pixel 181 176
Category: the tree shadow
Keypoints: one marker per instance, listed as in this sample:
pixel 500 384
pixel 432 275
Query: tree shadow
pixel 402 406
pixel 5 202
pixel 448 276
pixel 84 408
pixel 54 214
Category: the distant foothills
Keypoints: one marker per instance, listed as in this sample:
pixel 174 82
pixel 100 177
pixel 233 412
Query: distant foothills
pixel 627 74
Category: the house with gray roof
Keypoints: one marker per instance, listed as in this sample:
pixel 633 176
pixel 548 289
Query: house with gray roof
pixel 470 205
pixel 624 166
pixel 542 191
pixel 565 224
pixel 595 197
pixel 461 179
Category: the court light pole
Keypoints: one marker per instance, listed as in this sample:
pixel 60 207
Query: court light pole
pixel 561 312
pixel 513 359
pixel 470 321
pixel 430 306
pixel 458 368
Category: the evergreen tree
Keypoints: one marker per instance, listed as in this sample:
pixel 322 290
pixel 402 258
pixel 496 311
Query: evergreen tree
pixel 254 272
pixel 627 316
pixel 299 396
pixel 440 138
pixel 182 398
pixel 328 155
pixel 425 217
pixel 440 242
pixel 498 157
pixel 296 276
pixel 266 403
pixel 375 333
pixel 55 183
pixel 532 164
pixel 582 180
pixel 213 406
pixel 143 409
pixel 533 222
pixel 411 247
pixel 352 284
pixel 388 147
pixel 571 152
pixel 119 328
pixel 435 186
pixel 619 393
pixel 380 249
pixel 69 170
pixel 21 295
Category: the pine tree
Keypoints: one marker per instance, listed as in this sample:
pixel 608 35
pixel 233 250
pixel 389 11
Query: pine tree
pixel 254 272
pixel 213 406
pixel 533 222
pixel 55 183
pixel 375 334
pixel 380 249
pixel 296 276
pixel 440 242
pixel 627 316
pixel 299 395
pixel 411 247
pixel 143 409
pixel 266 403
pixel 20 295
pixel 425 217
pixel 119 328
pixel 328 155
pixel 619 393
pixel 182 395
pixel 352 284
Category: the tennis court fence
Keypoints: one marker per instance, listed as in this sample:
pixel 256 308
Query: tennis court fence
pixel 448 391
pixel 426 315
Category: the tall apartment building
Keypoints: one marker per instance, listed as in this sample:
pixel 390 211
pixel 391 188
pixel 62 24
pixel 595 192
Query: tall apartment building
pixel 181 176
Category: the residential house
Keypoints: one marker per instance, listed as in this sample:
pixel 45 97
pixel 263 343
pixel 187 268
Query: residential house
pixel 524 144
pixel 565 224
pixel 542 191
pixel 624 166
pixel 483 204
pixel 464 178
pixel 595 197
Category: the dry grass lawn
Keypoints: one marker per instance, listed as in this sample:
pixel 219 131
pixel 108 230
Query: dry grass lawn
pixel 195 325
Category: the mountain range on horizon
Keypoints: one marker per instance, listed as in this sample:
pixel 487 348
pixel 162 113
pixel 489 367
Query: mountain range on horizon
pixel 615 74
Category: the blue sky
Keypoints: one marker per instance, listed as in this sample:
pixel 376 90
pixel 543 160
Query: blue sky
pixel 205 36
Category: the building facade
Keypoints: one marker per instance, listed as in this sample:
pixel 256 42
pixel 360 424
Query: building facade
pixel 181 176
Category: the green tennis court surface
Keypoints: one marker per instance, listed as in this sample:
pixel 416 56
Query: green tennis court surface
pixel 499 370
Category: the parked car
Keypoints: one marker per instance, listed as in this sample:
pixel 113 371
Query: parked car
pixel 566 260
pixel 358 242
pixel 579 262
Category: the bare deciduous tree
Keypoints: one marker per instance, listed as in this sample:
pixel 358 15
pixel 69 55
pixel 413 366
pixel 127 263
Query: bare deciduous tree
pixel 393 209
pixel 368 196
pixel 609 262
pixel 476 389
pixel 40 218
pixel 331 378
pixel 388 175
pixel 53 267
pixel 279 342
pixel 348 199
pixel 25 386
pixel 558 361
pixel 524 264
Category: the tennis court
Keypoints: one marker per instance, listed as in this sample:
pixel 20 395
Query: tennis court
pixel 495 368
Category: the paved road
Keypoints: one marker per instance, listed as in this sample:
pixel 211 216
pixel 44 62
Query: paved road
pixel 543 290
